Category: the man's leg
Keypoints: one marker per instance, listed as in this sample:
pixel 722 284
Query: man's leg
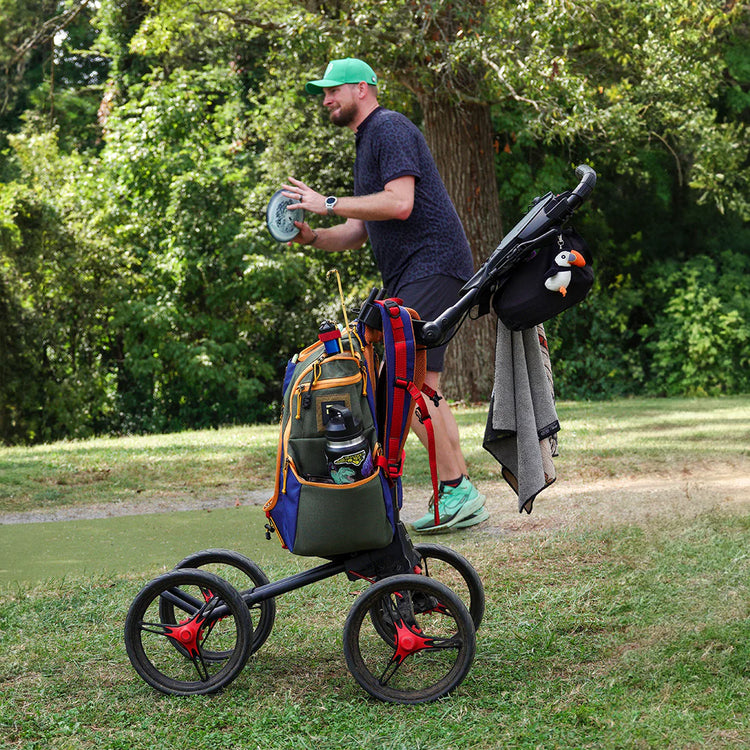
pixel 460 504
pixel 451 464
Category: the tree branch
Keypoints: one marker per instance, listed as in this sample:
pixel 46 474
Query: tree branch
pixel 236 18
pixel 674 156
pixel 47 31
pixel 499 72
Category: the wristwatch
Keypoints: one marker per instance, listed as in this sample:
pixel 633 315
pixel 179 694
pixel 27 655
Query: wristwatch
pixel 331 202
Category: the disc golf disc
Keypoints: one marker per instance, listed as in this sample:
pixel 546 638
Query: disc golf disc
pixel 279 220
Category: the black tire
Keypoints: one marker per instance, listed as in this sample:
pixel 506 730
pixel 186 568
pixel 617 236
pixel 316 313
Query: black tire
pixel 457 573
pixel 214 619
pixel 448 567
pixel 237 570
pixel 432 642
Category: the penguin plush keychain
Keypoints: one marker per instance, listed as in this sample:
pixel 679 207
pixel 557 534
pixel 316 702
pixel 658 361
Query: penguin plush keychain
pixel 557 279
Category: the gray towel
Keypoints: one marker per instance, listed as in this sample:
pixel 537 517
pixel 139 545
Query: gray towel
pixel 522 425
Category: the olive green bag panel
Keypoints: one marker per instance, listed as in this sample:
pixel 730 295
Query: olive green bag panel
pixel 336 519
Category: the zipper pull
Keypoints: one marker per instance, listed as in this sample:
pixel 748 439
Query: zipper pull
pixel 286 473
pixel 317 371
pixel 298 414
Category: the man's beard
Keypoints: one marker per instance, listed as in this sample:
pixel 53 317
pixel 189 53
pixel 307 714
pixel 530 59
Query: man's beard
pixel 344 115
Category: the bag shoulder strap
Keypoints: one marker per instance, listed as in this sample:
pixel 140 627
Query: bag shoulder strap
pixel 404 368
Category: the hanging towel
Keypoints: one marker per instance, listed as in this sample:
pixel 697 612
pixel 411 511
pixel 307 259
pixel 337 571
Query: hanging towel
pixel 522 424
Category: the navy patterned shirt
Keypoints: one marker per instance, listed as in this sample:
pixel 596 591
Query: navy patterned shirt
pixel 432 240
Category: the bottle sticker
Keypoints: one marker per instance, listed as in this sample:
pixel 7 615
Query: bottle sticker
pixel 353 459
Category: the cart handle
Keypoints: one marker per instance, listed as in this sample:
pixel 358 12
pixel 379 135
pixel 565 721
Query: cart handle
pixel 547 213
pixel 582 191
pixel 541 221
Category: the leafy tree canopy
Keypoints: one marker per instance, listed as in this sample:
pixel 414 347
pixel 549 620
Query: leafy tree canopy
pixel 140 141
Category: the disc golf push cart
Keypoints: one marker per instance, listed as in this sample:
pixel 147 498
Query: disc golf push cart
pixel 410 636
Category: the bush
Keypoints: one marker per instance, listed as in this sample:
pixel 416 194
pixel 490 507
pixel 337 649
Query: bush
pixel 699 342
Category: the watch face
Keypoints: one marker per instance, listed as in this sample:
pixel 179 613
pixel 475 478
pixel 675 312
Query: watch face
pixel 279 220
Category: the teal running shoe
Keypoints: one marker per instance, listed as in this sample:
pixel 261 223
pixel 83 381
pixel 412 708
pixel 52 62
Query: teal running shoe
pixel 455 505
pixel 481 515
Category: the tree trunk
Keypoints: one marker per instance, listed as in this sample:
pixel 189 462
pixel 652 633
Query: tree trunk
pixel 462 143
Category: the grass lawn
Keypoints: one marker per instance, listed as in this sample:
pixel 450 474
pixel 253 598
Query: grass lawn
pixel 628 628
pixel 597 439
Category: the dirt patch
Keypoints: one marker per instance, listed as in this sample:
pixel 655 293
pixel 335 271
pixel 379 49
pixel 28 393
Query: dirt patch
pixel 619 500
pixel 145 506
pixel 567 503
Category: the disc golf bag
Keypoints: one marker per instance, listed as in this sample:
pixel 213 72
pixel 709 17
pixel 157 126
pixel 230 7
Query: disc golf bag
pixel 311 515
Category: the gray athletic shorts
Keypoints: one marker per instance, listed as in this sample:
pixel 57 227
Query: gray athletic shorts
pixel 430 297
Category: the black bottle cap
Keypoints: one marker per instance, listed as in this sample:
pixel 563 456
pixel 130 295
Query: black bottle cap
pixel 341 424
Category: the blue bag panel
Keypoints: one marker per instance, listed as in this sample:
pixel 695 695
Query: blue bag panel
pixel 388 490
pixel 288 374
pixel 284 512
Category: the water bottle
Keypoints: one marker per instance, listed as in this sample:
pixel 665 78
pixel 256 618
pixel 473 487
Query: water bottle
pixel 347 449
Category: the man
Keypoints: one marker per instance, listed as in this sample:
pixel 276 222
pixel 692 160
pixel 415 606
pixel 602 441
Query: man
pixel 402 206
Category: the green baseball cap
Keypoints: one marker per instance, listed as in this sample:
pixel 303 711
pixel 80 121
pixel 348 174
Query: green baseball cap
pixel 348 70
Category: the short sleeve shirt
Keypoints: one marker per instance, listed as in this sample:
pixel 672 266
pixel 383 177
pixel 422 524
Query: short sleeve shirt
pixel 432 240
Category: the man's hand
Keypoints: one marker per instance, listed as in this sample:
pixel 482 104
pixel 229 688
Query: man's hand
pixel 306 234
pixel 305 196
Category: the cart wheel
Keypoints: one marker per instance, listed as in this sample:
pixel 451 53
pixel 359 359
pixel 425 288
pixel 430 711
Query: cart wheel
pixel 236 569
pixel 448 567
pixel 171 656
pixel 431 644
pixel 457 573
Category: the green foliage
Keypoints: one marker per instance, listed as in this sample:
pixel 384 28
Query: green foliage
pixel 701 338
pixel 60 279
pixel 191 354
pixel 139 289
pixel 669 326
pixel 118 21
pixel 20 64
pixel 51 72
pixel 620 79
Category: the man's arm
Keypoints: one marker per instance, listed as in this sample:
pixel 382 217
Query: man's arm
pixel 350 235
pixel 395 201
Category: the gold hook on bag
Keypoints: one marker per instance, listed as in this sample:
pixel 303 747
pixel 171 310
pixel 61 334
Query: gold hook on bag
pixel 343 307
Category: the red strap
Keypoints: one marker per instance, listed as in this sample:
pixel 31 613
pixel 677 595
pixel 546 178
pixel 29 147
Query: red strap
pixel 393 440
pixel 392 460
pixel 426 420
pixel 392 469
